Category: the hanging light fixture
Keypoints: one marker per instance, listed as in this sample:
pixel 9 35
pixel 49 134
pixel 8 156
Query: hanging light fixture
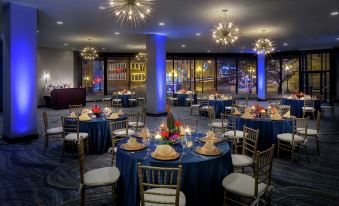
pixel 141 56
pixel 225 33
pixel 263 45
pixel 133 11
pixel 89 52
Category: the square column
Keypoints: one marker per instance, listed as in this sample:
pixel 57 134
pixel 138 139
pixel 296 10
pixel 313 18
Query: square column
pixel 261 77
pixel 156 74
pixel 19 72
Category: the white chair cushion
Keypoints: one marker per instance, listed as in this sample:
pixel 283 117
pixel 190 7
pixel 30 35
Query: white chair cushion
pixel 132 100
pixel 116 100
pixel 134 124
pixel 217 124
pixel 54 130
pixel 326 107
pixel 195 105
pixel 287 137
pixel 228 108
pixel 73 136
pixel 240 160
pixel 308 108
pixel 242 184
pixel 204 108
pixel 238 134
pixel 309 131
pixel 164 198
pixel 122 132
pixel 101 176
pixel 106 99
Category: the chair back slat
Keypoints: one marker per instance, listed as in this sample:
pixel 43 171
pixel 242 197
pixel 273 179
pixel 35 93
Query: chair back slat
pixel 81 155
pixel 44 115
pixel 300 124
pixel 70 125
pixel 308 103
pixel 118 126
pixel 250 141
pixel 283 109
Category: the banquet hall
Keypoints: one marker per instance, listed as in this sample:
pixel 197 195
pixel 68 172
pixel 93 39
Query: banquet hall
pixel 169 102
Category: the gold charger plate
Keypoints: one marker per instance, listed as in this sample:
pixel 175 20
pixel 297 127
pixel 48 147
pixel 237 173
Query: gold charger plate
pixel 108 118
pixel 125 147
pixel 217 140
pixel 214 153
pixel 165 158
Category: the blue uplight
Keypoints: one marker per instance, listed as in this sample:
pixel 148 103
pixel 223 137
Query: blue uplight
pixel 161 71
pixel 261 77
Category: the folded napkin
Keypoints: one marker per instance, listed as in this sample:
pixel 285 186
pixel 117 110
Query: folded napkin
pixel 287 114
pixel 181 130
pixel 189 92
pixel 248 110
pixel 165 151
pixel 113 116
pixel 210 135
pixel 132 143
pixel 119 93
pixel 73 115
pixel 120 112
pixel 145 133
pixel 107 110
pixel 208 147
pixel 236 111
pixel 276 116
pixel 85 111
pixel 247 115
pixel 84 117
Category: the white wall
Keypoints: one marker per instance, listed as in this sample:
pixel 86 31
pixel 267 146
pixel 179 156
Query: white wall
pixel 59 63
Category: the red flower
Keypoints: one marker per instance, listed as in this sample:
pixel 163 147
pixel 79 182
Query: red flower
pixel 177 123
pixel 164 134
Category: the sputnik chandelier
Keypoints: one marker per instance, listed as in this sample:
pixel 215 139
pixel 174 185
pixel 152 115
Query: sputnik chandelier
pixel 133 11
pixel 225 33
pixel 263 45
pixel 89 52
pixel 141 56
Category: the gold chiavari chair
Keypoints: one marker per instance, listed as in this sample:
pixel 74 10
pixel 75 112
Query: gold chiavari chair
pixel 312 132
pixel 216 124
pixel 249 149
pixel 120 129
pixel 308 107
pixel 136 121
pixel 189 100
pixel 116 101
pixel 55 131
pixel 195 107
pixel 289 141
pixel 101 177
pixel 141 99
pixel 71 134
pixel 132 101
pixel 251 190
pixel 76 108
pixel 232 134
pixel 160 186
pixel 107 102
pixel 204 105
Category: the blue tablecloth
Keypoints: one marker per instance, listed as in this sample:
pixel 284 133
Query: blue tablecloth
pixel 201 178
pixel 268 129
pixel 182 98
pixel 296 106
pixel 124 99
pixel 219 106
pixel 99 133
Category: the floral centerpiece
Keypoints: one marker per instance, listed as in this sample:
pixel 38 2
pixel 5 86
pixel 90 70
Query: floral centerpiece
pixel 182 91
pixel 170 132
pixel 299 94
pixel 96 109
pixel 218 96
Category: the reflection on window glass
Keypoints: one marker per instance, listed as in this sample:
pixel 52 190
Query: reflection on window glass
pixel 290 75
pixel 204 73
pixel 226 75
pixel 93 76
pixel 138 76
pixel 183 74
pixel 247 77
pixel 273 76
pixel 169 76
pixel 117 74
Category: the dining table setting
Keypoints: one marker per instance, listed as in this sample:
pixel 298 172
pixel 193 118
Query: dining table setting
pixel 296 101
pixel 205 159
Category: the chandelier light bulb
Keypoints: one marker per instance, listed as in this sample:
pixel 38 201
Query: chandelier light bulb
pixel 89 52
pixel 263 45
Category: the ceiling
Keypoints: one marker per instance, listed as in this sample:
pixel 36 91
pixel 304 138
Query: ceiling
pixel 302 24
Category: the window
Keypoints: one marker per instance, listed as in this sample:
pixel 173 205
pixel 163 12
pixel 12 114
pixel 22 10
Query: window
pixel 204 76
pixel 247 76
pixel 93 76
pixel 226 75
pixel 117 74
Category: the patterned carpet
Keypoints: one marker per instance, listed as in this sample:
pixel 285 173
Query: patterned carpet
pixel 29 177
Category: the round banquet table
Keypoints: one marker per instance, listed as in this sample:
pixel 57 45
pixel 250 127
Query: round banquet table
pixel 219 106
pixel 296 106
pixel 201 177
pixel 124 99
pixel 182 98
pixel 99 133
pixel 268 129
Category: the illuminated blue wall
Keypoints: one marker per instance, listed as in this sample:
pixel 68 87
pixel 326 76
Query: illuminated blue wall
pixel 156 73
pixel 261 78
pixel 20 63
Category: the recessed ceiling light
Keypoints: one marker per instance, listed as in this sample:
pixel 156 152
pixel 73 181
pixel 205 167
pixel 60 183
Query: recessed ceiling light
pixel 103 48
pixel 60 22
pixel 116 33
pixel 209 51
pixel 285 44
pixel 198 34
pixel 102 7
pixel 241 51
pixel 161 23
pixel 37 31
pixel 337 38
pixel 334 13
pixel 65 44
pixel 183 45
